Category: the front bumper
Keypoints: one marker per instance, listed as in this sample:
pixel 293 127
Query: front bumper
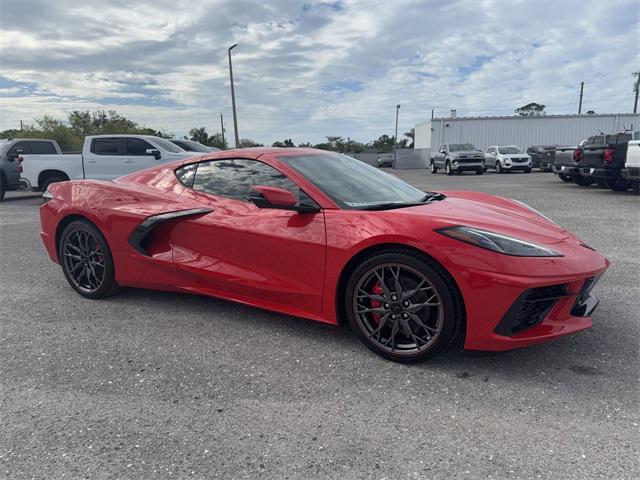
pixel 517 166
pixel 492 284
pixel 631 173
pixel 459 166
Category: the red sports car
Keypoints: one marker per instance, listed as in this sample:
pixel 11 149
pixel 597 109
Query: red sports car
pixel 326 237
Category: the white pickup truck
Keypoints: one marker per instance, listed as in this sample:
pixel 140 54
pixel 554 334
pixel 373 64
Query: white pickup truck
pixel 103 157
pixel 631 169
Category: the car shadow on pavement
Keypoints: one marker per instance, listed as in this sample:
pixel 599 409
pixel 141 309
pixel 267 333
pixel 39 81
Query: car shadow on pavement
pixel 560 360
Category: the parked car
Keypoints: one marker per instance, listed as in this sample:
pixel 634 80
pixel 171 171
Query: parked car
pixel 631 169
pixel 193 146
pixel 11 149
pixel 542 156
pixel 567 165
pixel 507 158
pixel 103 157
pixel 307 232
pixel 458 157
pixel 385 160
pixel 604 156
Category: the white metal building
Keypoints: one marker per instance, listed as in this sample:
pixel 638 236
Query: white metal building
pixel 483 132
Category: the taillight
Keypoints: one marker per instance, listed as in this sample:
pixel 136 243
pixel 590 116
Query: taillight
pixel 20 160
pixel 577 155
pixel 608 155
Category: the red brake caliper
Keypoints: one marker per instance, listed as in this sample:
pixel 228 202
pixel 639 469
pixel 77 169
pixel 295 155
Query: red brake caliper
pixel 376 290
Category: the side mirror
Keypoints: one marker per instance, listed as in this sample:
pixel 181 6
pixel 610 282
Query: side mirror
pixel 273 197
pixel 155 152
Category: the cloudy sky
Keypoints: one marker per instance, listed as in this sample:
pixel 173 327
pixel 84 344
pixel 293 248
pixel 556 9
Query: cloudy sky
pixel 307 70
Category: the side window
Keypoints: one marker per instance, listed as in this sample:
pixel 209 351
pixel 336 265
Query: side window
pixel 137 146
pixel 234 178
pixel 106 146
pixel 186 174
pixel 12 153
pixel 42 148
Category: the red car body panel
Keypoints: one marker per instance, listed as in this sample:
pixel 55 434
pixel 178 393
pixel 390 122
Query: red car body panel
pixel 292 263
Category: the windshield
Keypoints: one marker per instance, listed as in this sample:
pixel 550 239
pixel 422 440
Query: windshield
pixel 461 147
pixel 508 150
pixel 166 145
pixel 351 183
pixel 191 146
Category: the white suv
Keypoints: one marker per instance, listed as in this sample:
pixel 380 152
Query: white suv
pixel 507 158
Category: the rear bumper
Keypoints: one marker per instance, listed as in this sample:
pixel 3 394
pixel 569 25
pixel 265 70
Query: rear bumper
pixel 631 173
pixel 572 170
pixel 606 173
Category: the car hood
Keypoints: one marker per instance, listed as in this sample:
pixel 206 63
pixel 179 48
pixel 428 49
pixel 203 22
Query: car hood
pixel 492 213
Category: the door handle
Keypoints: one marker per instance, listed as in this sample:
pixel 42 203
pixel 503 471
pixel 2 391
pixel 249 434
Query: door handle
pixel 91 161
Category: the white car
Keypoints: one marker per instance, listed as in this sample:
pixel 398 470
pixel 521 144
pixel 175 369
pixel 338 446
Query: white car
pixel 632 164
pixel 507 158
pixel 103 157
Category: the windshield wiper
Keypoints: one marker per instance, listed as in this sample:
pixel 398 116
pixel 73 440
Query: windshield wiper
pixel 428 198
pixel 432 197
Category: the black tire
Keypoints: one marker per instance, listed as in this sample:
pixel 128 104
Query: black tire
pixel 438 322
pixel 636 187
pixel 619 184
pixel 93 281
pixel 565 178
pixel 527 170
pixel 583 181
pixel 499 167
pixel 601 183
pixel 447 168
pixel 3 186
pixel 434 169
pixel 480 172
pixel 50 180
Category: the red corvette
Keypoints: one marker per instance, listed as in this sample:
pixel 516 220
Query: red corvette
pixel 326 237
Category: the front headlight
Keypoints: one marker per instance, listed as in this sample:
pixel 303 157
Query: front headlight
pixel 497 242
pixel 529 207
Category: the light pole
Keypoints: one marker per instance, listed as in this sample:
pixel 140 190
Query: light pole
pixel 233 97
pixel 395 138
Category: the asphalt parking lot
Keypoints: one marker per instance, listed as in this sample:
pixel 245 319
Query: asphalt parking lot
pixel 158 385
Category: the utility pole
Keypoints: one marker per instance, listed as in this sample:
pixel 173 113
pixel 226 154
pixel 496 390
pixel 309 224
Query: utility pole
pixel 222 127
pixel 636 87
pixel 21 122
pixel 432 111
pixel 580 104
pixel 395 138
pixel 233 98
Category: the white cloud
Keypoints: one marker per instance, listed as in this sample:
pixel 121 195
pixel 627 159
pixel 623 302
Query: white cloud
pixel 306 71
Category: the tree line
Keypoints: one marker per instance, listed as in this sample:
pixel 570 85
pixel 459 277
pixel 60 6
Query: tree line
pixel 70 133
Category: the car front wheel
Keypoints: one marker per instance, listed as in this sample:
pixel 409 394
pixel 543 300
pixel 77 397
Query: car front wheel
pixel 498 167
pixel 86 260
pixel 434 169
pixel 402 306
pixel 447 168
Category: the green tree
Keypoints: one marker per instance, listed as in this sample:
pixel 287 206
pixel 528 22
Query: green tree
pixel 384 143
pixel 411 134
pixel 218 141
pixel 531 110
pixel 287 143
pixel 248 143
pixel 199 135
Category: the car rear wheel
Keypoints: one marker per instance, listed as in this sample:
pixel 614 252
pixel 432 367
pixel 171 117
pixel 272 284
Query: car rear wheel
pixel 434 169
pixel 86 260
pixel 564 177
pixel 402 307
pixel 619 184
pixel 583 181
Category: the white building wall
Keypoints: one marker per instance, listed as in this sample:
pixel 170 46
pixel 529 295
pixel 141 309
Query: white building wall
pixel 483 132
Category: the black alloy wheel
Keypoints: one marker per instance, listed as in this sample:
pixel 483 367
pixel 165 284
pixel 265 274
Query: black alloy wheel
pixel 86 260
pixel 402 307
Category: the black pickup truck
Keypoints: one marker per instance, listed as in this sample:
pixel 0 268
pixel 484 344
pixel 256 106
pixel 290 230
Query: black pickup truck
pixel 604 157
pixel 568 165
pixel 542 156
